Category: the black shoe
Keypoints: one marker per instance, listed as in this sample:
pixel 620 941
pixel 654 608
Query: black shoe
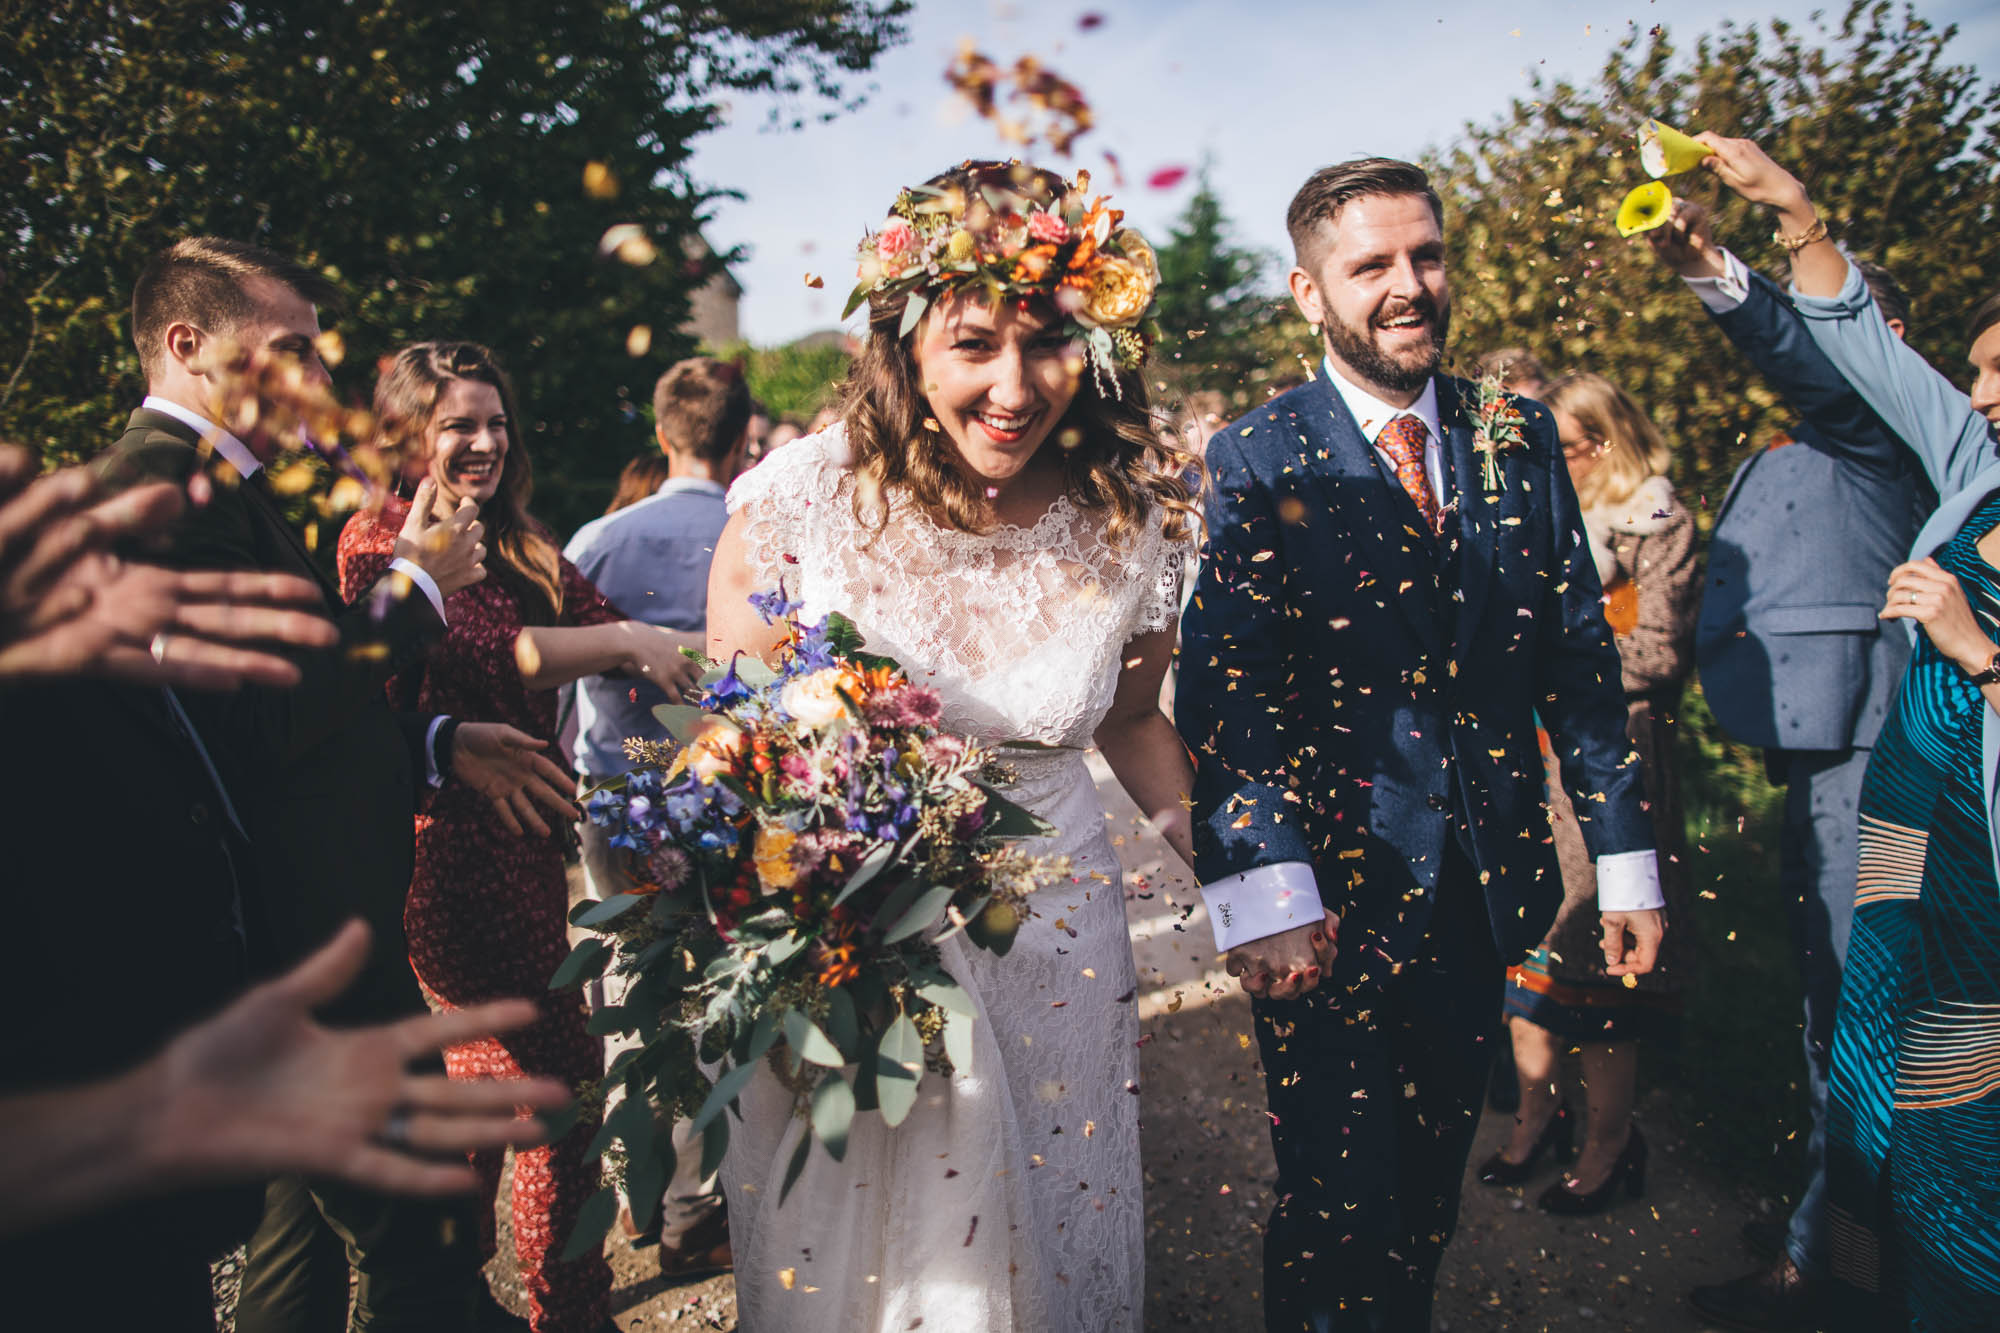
pixel 1766 1240
pixel 1559 1134
pixel 1775 1299
pixel 1629 1171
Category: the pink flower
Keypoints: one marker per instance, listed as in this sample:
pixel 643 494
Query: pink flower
pixel 894 243
pixel 910 706
pixel 667 867
pixel 1047 228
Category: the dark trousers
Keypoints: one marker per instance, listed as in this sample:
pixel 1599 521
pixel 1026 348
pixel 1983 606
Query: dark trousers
pixel 1373 1107
pixel 1819 860
pixel 416 1262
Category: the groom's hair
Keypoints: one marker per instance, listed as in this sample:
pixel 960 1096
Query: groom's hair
pixel 200 281
pixel 1331 189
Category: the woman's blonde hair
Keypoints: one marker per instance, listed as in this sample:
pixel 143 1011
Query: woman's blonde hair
pixel 1117 463
pixel 1633 450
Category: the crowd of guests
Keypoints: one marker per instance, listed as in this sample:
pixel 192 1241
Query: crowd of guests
pixel 383 745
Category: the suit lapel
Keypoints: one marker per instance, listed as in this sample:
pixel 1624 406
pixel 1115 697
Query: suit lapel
pixel 1363 497
pixel 1478 525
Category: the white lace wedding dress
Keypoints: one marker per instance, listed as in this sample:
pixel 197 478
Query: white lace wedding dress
pixel 1010 1197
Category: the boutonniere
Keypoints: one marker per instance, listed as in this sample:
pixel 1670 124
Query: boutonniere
pixel 1496 427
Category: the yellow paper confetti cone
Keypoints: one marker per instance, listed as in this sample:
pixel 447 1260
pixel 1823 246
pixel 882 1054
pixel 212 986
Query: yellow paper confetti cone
pixel 1665 151
pixel 1645 208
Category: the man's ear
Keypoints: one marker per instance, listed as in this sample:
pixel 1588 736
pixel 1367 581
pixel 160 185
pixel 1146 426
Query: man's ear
pixel 186 344
pixel 660 438
pixel 1305 295
pixel 1897 327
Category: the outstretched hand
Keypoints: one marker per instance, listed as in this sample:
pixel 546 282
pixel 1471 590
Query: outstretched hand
pixel 1287 965
pixel 261 1089
pixel 506 766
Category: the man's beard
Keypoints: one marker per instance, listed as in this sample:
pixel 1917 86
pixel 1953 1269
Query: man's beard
pixel 1357 348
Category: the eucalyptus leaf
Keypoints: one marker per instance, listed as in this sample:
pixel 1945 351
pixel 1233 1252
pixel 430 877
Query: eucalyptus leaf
pixel 586 962
pixel 949 995
pixel 725 1092
pixel 611 1018
pixel 1005 819
pixel 682 722
pixel 923 914
pixel 958 1041
pixel 854 299
pixel 782 950
pixel 843 1025
pixel 871 865
pixel 714 1146
pixel 808 1042
pixel 646 1178
pixel 913 311
pixel 833 1114
pixel 610 909
pixel 899 1068
pixel 593 1220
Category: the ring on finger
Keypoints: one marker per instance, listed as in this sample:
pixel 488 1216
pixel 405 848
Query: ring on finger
pixel 158 647
pixel 395 1131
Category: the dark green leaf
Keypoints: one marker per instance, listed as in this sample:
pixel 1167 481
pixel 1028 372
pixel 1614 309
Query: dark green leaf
pixel 1005 819
pixel 602 913
pixel 833 1113
pixel 725 1091
pixel 871 865
pixel 922 915
pixel 593 1220
pixel 714 1146
pixel 842 1024
pixel 586 962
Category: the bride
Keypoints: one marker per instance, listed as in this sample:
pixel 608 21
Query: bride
pixel 995 511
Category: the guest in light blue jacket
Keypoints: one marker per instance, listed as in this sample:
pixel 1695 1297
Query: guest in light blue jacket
pixel 1913 1161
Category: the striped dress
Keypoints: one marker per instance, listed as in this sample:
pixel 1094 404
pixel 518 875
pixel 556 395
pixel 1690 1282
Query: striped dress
pixel 1914 1110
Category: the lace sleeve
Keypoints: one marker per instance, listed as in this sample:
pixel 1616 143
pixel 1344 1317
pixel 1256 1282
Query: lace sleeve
pixel 784 500
pixel 1164 568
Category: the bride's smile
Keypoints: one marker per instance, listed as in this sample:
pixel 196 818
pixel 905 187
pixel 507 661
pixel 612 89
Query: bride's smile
pixel 998 377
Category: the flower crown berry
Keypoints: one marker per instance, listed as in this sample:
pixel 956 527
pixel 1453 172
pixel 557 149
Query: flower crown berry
pixel 1008 233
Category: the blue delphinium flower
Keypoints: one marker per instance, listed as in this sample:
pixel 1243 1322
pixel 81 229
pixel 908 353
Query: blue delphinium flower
pixel 773 606
pixel 728 691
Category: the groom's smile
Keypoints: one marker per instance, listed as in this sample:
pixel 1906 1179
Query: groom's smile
pixel 1375 283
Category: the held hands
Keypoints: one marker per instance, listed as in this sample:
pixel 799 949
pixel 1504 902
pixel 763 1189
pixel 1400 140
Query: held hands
pixel 1925 592
pixel 261 1089
pixel 1287 965
pixel 503 764
pixel 1632 941
pixel 1686 244
pixel 654 654
pixel 69 605
pixel 451 550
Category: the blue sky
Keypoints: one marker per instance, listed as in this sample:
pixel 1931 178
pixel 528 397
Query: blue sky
pixel 1267 90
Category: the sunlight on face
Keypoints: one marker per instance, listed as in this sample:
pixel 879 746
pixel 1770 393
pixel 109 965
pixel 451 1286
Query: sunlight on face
pixel 1379 294
pixel 468 442
pixel 1581 449
pixel 997 378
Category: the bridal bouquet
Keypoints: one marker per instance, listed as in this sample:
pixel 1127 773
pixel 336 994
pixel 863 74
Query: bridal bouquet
pixel 801 846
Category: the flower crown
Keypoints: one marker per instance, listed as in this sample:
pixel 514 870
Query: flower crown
pixel 1007 231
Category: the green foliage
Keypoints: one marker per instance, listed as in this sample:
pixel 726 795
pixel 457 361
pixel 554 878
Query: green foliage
pixel 795 380
pixel 430 157
pixel 1899 148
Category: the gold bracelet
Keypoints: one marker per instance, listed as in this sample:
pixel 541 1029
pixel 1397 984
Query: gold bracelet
pixel 1794 244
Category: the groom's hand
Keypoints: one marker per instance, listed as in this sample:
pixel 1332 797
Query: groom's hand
pixel 1287 965
pixel 1631 941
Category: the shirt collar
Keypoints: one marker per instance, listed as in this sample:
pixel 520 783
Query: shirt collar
pixel 231 448
pixel 700 485
pixel 1371 414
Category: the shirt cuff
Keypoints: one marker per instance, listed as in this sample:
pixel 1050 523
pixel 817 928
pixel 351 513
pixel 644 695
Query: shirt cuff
pixel 418 575
pixel 1629 882
pixel 1722 295
pixel 433 765
pixel 1262 901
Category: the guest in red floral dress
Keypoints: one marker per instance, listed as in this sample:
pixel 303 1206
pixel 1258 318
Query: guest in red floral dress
pixel 487 905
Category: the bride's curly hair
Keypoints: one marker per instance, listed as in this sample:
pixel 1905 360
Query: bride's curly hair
pixel 1122 462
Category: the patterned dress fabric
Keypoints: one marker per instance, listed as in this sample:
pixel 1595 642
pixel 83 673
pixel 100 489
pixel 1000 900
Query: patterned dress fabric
pixel 486 919
pixel 1646 545
pixel 1914 1109
pixel 1403 440
pixel 1010 1197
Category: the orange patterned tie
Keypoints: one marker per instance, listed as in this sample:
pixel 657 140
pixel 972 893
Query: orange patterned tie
pixel 1403 440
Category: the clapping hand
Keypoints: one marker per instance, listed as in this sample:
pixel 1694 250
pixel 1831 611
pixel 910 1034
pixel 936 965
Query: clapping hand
pixel 1287 965
pixel 451 550
pixel 261 1089
pixel 1924 591
pixel 69 605
pixel 506 765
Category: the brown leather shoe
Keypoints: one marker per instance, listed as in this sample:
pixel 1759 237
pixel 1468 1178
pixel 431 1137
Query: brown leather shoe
pixel 640 1239
pixel 1776 1299
pixel 689 1264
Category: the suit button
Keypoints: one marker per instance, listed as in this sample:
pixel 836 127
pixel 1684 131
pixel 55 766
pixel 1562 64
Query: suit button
pixel 198 814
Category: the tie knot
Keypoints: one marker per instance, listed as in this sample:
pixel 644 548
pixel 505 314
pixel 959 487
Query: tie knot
pixel 1403 438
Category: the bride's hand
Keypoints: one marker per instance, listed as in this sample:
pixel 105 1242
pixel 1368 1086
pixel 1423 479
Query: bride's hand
pixel 655 655
pixel 1285 966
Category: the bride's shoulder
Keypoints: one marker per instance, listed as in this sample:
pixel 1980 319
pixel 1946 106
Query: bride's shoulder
pixel 809 468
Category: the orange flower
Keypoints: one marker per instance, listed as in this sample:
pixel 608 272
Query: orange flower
pixel 1034 263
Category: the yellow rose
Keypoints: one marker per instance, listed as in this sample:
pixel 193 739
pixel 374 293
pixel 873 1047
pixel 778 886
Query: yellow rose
pixel 960 247
pixel 1119 293
pixel 1133 246
pixel 773 856
pixel 814 701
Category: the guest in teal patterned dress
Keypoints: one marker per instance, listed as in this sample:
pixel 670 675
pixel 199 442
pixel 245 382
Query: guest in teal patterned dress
pixel 1914 1110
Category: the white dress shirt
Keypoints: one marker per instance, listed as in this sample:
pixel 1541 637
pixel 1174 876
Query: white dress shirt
pixel 1269 900
pixel 1725 293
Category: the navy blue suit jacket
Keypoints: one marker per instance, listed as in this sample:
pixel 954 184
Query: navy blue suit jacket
pixel 1337 719
pixel 1791 653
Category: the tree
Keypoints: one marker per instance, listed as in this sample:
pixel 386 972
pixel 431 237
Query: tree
pixel 453 165
pixel 796 379
pixel 1899 147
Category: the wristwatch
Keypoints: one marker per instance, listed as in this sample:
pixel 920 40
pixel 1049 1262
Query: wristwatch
pixel 1990 676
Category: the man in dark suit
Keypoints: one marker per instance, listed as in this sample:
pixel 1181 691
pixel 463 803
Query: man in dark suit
pixel 1795 659
pixel 1382 613
pixel 332 773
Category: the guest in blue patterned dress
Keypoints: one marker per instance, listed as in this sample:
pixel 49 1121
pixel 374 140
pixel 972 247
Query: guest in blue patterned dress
pixel 1914 1112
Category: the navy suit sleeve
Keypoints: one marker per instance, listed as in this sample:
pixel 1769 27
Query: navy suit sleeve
pixel 1231 699
pixel 1773 336
pixel 1579 689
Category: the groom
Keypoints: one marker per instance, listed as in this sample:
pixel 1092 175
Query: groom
pixel 1375 633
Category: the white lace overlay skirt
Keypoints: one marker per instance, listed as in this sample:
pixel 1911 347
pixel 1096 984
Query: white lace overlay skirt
pixel 1010 1196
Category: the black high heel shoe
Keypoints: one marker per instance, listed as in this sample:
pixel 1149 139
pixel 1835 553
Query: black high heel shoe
pixel 1629 1170
pixel 1559 1134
